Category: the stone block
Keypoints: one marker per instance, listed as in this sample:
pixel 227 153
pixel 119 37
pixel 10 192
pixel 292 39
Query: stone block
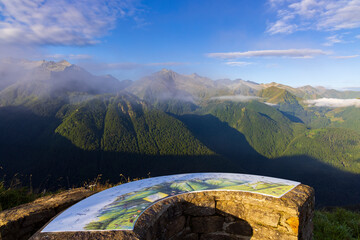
pixel 268 233
pixel 221 236
pixel 263 216
pixel 175 226
pixel 206 224
pixel 232 208
pixel 191 236
pixel 240 227
pixel 201 205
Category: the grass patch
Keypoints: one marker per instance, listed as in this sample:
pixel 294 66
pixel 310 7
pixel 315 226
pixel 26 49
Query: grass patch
pixel 336 224
pixel 12 197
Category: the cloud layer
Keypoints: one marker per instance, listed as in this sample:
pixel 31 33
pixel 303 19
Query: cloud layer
pixel 60 22
pixel 238 64
pixel 325 15
pixel 126 65
pixel 333 102
pixel 70 56
pixel 293 53
pixel 345 57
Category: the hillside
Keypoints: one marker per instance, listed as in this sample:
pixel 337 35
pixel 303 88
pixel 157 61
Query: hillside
pixel 266 129
pixel 171 123
pixel 345 118
pixel 335 146
pixel 288 104
pixel 277 95
pixel 123 123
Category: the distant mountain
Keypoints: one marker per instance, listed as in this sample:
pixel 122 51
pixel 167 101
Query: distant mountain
pixel 166 84
pixel 41 79
pixel 267 130
pixel 123 123
pixel 335 146
pixel 309 92
pixel 287 103
pixel 239 86
pixel 277 95
pixel 64 126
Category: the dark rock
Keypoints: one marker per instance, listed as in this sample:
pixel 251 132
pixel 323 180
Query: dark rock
pixel 241 227
pixel 221 236
pixel 175 226
pixel 206 224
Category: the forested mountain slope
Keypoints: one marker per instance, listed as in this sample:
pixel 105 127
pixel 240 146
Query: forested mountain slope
pixel 62 126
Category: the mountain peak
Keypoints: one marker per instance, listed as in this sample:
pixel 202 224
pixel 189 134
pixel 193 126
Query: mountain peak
pixel 56 66
pixel 165 70
pixel 195 75
pixel 64 63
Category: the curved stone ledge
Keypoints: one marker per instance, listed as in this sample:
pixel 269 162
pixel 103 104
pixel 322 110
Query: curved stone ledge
pixel 22 221
pixel 216 215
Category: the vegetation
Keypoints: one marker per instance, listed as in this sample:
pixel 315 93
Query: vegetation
pixel 339 224
pixel 121 124
pixel 73 134
pixel 267 130
pixel 277 95
pixel 335 146
pixel 15 195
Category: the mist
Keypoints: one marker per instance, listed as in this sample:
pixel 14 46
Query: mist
pixel 333 102
pixel 48 78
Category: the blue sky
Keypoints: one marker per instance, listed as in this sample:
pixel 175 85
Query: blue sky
pixel 294 42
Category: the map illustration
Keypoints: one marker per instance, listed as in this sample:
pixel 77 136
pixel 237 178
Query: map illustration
pixel 119 208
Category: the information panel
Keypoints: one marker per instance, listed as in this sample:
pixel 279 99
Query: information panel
pixel 119 207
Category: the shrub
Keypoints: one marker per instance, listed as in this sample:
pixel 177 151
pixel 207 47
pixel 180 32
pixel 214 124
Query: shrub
pixel 337 224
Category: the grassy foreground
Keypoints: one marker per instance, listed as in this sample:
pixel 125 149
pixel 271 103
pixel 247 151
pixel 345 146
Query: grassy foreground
pixel 12 197
pixel 336 224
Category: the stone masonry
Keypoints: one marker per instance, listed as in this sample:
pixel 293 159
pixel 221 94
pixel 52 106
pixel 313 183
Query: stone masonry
pixel 217 215
pixel 23 221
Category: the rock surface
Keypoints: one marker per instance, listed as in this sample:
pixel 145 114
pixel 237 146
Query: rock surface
pixel 23 221
pixel 217 215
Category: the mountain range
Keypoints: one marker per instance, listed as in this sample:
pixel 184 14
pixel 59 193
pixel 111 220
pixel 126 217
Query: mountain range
pixel 62 125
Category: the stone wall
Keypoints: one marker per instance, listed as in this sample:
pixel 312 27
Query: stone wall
pixel 217 215
pixel 23 221
pixel 231 215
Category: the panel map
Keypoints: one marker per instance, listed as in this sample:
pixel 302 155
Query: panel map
pixel 119 208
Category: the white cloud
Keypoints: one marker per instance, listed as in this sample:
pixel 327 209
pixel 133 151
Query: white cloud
pixel 352 89
pixel 324 15
pixel 358 36
pixel 271 104
pixel 345 57
pixel 333 102
pixel 332 40
pixel 126 65
pixel 275 3
pixel 235 98
pixel 60 22
pixel 165 64
pixel 69 56
pixel 238 64
pixel 294 53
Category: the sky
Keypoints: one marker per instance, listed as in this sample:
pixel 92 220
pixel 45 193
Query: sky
pixel 293 42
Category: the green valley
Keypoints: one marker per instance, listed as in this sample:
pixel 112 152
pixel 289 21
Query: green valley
pixel 171 123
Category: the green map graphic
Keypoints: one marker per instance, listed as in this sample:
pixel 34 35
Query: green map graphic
pixel 125 210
